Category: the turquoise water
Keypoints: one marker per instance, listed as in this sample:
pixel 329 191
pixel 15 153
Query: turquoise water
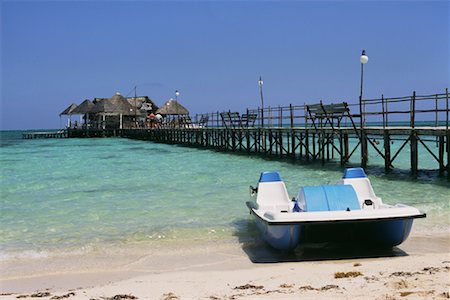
pixel 62 195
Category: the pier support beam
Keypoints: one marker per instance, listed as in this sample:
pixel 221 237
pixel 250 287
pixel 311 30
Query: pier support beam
pixel 364 150
pixel 441 155
pixel 414 153
pixel 387 151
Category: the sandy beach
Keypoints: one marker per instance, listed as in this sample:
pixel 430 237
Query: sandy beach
pixel 418 269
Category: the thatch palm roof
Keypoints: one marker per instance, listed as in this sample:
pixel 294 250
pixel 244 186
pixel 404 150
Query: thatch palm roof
pixel 172 107
pixel 69 110
pixel 84 108
pixel 115 105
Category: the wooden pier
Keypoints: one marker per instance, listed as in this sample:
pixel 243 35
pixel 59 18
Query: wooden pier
pixel 45 135
pixel 318 132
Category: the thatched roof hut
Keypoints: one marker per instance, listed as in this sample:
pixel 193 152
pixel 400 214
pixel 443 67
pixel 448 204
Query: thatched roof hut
pixel 172 107
pixel 69 110
pixel 115 105
pixel 84 108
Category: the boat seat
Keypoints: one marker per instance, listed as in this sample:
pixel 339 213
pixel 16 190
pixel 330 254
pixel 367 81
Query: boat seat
pixel 272 193
pixel 328 198
pixel 358 179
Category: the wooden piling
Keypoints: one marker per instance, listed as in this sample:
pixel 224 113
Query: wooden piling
pixel 414 153
pixel 387 151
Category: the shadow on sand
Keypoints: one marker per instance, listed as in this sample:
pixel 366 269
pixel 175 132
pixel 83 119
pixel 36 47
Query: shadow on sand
pixel 260 252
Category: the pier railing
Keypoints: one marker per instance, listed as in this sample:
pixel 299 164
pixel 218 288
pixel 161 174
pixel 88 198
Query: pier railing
pixel 428 110
pixel 408 111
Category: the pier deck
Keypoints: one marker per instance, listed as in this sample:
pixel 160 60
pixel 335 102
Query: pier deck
pixel 45 135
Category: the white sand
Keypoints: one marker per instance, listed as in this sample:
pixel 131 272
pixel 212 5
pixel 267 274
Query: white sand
pixel 418 269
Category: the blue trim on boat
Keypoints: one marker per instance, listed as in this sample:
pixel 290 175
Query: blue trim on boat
pixel 270 176
pixel 354 173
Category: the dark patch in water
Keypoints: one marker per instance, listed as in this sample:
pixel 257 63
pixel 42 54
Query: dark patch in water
pixel 9 160
pixel 137 148
pixel 94 191
pixel 110 156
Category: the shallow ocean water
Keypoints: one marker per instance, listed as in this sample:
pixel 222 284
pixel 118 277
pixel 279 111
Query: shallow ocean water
pixel 69 195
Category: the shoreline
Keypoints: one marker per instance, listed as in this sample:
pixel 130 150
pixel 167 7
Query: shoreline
pixel 418 268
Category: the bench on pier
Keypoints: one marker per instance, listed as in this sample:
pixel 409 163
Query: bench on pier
pixel 328 113
pixel 234 120
pixel 185 122
pixel 203 121
pixel 231 119
pixel 248 120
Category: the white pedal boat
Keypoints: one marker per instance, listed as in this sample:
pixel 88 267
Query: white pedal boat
pixel 348 212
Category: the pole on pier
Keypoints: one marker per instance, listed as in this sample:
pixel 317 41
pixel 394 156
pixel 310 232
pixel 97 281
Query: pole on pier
pixel 446 110
pixel 260 83
pixel 413 109
pixel 291 111
pixel 364 155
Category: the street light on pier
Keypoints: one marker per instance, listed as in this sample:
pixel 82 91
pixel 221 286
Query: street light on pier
pixel 177 93
pixel 363 59
pixel 135 108
pixel 260 83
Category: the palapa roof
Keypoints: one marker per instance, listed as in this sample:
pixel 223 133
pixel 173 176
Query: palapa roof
pixel 172 107
pixel 117 104
pixel 84 108
pixel 69 110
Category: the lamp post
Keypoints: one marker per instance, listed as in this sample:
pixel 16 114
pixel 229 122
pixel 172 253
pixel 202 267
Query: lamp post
pixel 363 59
pixel 364 154
pixel 177 93
pixel 135 108
pixel 260 83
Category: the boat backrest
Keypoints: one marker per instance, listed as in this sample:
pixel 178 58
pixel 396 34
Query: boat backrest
pixel 328 198
pixel 358 179
pixel 272 191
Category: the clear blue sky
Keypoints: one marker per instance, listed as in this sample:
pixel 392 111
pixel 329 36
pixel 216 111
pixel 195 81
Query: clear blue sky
pixel 54 53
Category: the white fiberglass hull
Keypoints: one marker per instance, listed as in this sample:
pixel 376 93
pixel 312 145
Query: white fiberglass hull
pixel 383 227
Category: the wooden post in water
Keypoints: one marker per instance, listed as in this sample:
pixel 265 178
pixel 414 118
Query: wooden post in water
pixel 307 144
pixel 364 149
pixel 414 154
pixel 387 151
pixel 441 155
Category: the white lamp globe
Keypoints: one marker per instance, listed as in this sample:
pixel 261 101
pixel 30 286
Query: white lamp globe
pixel 260 81
pixel 364 58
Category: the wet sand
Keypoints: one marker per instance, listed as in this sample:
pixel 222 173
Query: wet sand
pixel 418 269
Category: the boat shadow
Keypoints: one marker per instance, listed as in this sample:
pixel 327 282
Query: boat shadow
pixel 259 251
